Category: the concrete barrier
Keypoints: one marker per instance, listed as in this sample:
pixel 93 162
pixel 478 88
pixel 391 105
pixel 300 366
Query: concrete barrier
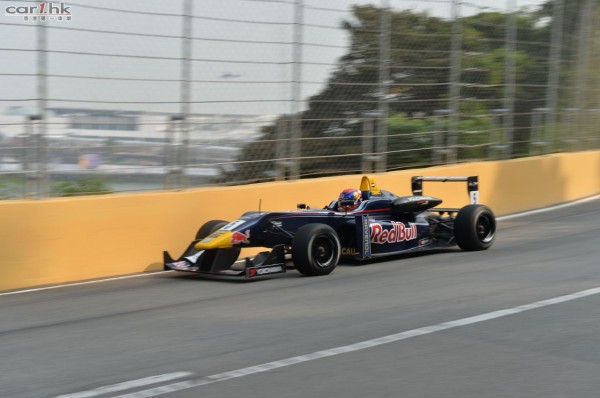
pixel 68 239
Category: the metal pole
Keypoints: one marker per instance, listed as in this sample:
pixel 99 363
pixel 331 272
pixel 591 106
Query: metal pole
pixel 30 159
pixel 296 133
pixel 172 153
pixel 41 171
pixel 185 91
pixel 369 158
pixel 167 155
pixel 455 67
pixel 384 80
pixel 596 121
pixel 554 68
pixel 509 79
pixel 539 117
pixel 282 162
pixel 585 20
pixel 439 135
pixel 366 145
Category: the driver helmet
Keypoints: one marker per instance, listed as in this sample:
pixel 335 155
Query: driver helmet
pixel 349 199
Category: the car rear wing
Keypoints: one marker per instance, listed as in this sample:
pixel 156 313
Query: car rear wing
pixel 472 185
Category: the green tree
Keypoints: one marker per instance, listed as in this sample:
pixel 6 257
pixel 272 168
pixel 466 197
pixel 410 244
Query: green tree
pixel 419 76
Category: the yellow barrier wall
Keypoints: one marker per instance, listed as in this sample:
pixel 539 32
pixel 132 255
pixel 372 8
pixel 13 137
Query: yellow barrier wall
pixel 68 239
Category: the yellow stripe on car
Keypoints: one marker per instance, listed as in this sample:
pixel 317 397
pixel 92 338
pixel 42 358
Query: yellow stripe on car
pixel 218 240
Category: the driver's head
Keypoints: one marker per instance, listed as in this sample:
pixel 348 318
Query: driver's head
pixel 349 199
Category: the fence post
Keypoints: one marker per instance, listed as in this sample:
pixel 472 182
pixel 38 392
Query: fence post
pixel 569 121
pixel 31 160
pixel 282 146
pixel 455 68
pixel 539 135
pixel 296 130
pixel 370 159
pixel 583 57
pixel 185 92
pixel 554 68
pixel 595 132
pixel 509 79
pixel 41 169
pixel 384 80
pixel 497 136
pixel 439 135
pixel 173 143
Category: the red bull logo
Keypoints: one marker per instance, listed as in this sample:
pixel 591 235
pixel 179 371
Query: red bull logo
pixel 238 237
pixel 399 233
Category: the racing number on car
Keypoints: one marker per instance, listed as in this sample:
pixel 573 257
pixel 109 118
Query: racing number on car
pixel 232 225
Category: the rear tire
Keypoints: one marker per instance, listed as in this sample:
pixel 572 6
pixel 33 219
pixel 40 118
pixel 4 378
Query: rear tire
pixel 316 250
pixel 222 258
pixel 475 227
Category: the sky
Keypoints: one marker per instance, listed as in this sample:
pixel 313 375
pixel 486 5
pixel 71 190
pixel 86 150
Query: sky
pixel 241 52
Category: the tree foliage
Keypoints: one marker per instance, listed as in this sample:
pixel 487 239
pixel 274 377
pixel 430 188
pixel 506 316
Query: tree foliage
pixel 81 186
pixel 332 125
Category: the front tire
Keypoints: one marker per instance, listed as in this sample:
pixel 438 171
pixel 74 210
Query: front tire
pixel 209 227
pixel 475 227
pixel 219 259
pixel 316 250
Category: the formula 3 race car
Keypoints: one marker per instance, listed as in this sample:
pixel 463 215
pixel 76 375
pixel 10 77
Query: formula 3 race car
pixel 384 224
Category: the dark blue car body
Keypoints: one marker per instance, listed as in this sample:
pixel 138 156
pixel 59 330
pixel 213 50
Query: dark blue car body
pixel 384 224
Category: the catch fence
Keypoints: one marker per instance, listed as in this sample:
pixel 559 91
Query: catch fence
pixel 130 96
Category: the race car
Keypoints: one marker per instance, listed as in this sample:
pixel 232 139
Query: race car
pixel 380 224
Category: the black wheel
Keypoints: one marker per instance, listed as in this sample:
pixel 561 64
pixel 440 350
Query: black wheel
pixel 475 227
pixel 316 250
pixel 221 258
pixel 209 227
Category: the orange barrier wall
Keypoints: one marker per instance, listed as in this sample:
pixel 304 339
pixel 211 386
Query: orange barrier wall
pixel 67 239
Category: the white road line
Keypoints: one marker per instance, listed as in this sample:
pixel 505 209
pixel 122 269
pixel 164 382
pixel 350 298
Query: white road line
pixel 392 338
pixel 128 385
pixel 116 278
pixel 501 218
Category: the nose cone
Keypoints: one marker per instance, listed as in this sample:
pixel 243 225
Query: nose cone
pixel 218 240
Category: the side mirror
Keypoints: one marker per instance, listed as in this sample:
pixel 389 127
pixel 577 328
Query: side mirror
pixel 302 206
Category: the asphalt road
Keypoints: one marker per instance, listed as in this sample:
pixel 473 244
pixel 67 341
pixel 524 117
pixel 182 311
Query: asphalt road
pixel 440 314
